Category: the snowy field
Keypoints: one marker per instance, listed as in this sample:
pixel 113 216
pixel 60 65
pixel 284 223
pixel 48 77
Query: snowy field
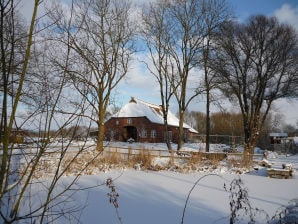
pixel 159 197
pixel 149 197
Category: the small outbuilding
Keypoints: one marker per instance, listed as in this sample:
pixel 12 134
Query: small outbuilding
pixel 277 140
pixel 141 121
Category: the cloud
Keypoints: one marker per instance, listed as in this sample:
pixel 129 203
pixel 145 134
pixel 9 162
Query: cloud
pixel 139 82
pixel 288 14
pixel 138 75
pixel 289 108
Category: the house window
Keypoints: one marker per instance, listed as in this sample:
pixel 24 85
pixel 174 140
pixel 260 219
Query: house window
pixel 117 122
pixel 111 135
pixel 129 121
pixel 144 134
pixel 153 133
pixel 170 133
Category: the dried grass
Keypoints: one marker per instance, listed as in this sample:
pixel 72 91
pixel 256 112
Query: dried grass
pixel 143 158
pixel 195 159
pixel 90 162
pixel 240 162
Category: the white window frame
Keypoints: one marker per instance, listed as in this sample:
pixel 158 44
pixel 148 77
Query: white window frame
pixel 153 133
pixel 144 133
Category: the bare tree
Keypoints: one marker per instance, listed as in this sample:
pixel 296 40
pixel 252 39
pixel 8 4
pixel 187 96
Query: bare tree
pixel 102 43
pixel 21 169
pixel 178 35
pixel 156 29
pixel 185 37
pixel 215 13
pixel 7 10
pixel 257 62
pixel 14 37
pixel 193 24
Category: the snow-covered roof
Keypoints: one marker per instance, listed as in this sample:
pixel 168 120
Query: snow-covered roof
pixel 139 108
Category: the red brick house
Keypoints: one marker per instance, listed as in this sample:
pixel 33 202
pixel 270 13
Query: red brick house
pixel 143 122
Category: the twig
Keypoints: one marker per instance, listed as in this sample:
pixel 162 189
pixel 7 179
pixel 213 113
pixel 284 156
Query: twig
pixel 189 193
pixel 113 196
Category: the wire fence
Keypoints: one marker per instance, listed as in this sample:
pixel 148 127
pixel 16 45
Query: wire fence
pixel 231 140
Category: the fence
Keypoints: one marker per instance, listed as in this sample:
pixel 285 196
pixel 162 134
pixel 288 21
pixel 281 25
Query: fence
pixel 221 139
pixel 127 153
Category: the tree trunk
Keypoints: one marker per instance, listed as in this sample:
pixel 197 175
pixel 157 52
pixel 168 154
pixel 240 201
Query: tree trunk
pixel 100 136
pixel 100 125
pixel 251 138
pixel 207 118
pixel 167 139
pixel 181 132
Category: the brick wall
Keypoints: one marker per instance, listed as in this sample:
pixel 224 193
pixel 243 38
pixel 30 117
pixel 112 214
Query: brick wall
pixel 141 129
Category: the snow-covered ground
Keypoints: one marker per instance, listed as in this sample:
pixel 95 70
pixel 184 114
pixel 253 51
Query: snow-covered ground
pixel 159 197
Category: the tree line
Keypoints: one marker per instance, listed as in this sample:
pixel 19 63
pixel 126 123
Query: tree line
pixel 230 124
pixel 62 70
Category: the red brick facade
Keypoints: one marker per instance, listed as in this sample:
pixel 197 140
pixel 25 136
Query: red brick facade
pixel 141 129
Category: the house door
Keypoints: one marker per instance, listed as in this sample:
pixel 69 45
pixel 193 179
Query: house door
pixel 131 132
